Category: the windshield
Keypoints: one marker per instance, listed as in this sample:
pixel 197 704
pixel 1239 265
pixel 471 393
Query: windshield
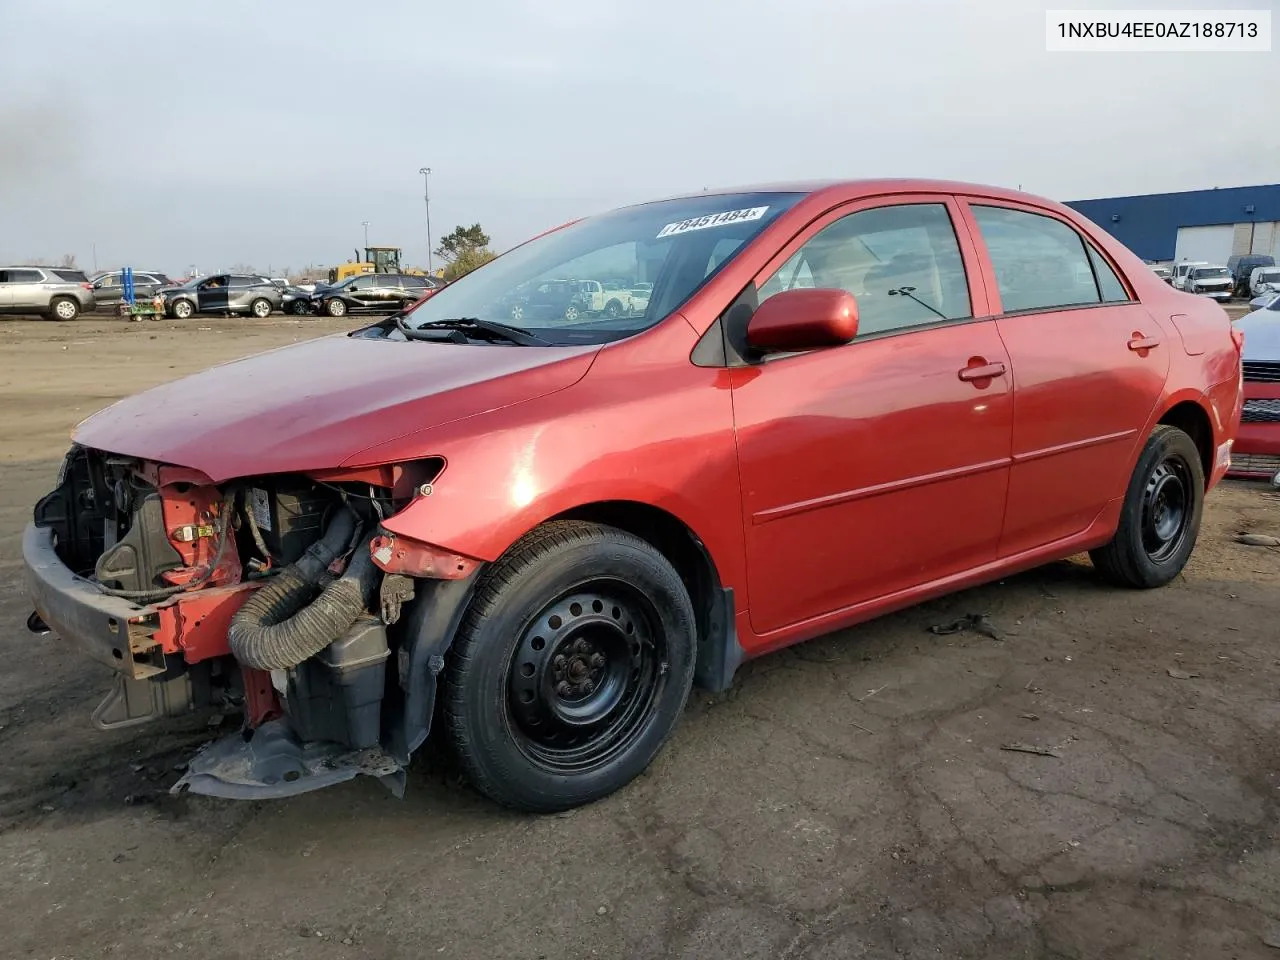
pixel 609 276
pixel 1206 273
pixel 1269 276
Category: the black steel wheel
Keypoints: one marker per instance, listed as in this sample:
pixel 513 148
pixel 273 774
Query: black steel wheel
pixel 1160 518
pixel 584 677
pixel 1166 508
pixel 571 667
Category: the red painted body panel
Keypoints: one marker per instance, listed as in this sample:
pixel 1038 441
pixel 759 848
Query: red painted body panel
pixel 1258 438
pixel 827 487
pixel 195 624
pixel 315 404
pixel 853 484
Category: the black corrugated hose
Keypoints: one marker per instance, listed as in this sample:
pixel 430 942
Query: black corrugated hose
pixel 291 618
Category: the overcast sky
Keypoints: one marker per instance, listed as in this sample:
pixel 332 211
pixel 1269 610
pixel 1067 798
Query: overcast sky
pixel 167 134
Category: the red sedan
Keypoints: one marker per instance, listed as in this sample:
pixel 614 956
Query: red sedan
pixel 817 403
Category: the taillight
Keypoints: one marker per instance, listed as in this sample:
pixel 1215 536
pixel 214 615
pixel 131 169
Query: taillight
pixel 87 286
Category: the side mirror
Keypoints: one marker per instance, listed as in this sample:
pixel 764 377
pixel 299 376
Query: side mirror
pixel 803 319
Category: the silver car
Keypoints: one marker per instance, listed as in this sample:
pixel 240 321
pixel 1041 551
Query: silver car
pixel 223 293
pixel 58 293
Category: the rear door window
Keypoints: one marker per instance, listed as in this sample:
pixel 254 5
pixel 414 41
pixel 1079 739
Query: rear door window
pixel 1040 263
pixel 71 276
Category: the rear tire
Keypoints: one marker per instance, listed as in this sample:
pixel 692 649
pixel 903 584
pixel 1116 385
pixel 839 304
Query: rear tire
pixel 571 668
pixel 64 308
pixel 1160 519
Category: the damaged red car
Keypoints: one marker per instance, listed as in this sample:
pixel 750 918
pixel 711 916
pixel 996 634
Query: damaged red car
pixel 772 413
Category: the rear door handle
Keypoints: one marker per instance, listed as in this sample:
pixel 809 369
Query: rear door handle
pixel 983 371
pixel 1139 342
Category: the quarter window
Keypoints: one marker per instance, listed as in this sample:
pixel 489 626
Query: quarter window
pixel 1109 284
pixel 901 263
pixel 1040 263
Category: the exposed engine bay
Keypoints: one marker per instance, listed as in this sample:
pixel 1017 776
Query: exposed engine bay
pixel 278 596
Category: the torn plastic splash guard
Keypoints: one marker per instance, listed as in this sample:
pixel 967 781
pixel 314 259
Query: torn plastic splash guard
pixel 273 763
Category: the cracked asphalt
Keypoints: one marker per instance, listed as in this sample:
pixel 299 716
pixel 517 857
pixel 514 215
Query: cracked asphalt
pixel 852 797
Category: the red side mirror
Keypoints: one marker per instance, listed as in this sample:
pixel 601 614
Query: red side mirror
pixel 804 319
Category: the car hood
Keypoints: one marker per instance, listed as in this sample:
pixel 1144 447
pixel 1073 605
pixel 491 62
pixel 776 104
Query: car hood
pixel 1261 331
pixel 317 404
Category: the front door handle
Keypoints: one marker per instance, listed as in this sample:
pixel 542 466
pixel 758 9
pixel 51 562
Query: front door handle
pixel 981 371
pixel 1138 342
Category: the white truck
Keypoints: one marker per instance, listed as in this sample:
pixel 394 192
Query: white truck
pixel 610 301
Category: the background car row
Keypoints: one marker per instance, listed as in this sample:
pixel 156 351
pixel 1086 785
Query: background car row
pixel 1247 275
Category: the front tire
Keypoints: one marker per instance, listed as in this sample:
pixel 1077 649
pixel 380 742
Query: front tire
pixel 571 668
pixel 182 309
pixel 1160 519
pixel 260 308
pixel 335 308
pixel 64 308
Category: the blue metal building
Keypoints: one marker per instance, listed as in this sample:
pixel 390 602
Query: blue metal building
pixel 1209 225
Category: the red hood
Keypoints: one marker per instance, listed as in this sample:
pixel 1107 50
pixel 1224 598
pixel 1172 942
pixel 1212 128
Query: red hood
pixel 314 405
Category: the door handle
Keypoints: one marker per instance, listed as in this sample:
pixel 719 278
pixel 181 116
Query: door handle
pixel 983 371
pixel 1139 342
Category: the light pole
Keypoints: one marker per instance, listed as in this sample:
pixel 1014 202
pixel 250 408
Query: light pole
pixel 365 224
pixel 426 199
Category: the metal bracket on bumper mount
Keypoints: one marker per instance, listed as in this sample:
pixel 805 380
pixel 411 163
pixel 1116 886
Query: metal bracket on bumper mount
pixel 271 762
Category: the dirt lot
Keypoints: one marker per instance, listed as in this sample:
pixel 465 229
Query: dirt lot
pixel 846 799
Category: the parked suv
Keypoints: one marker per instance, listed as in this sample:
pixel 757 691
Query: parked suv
pixel 373 293
pixel 1242 265
pixel 223 293
pixel 840 401
pixel 54 292
pixel 108 288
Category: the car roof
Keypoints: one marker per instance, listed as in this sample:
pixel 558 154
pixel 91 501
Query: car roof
pixel 869 187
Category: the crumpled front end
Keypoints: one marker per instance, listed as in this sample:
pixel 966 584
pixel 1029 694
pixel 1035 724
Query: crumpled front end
pixel 262 595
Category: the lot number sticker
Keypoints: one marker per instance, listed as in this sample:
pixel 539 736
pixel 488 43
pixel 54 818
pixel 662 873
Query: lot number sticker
pixel 712 220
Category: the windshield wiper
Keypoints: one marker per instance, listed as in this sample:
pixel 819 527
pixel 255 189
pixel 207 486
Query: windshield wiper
pixel 517 335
